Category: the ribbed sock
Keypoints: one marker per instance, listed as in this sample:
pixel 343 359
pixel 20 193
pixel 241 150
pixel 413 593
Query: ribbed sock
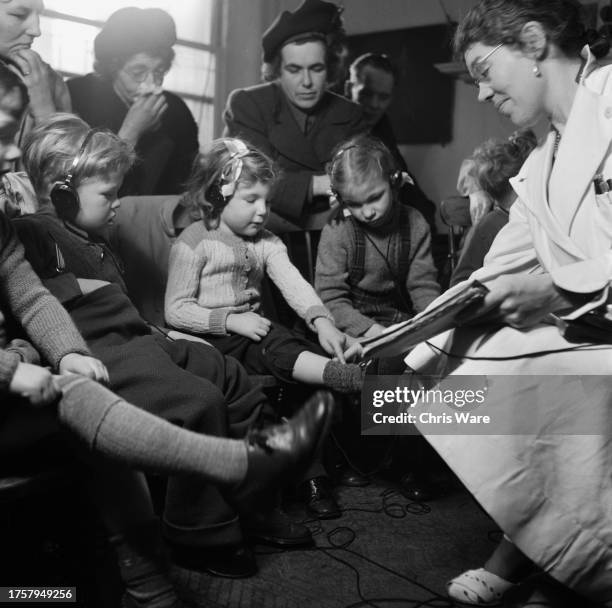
pixel 126 433
pixel 343 377
pixel 170 449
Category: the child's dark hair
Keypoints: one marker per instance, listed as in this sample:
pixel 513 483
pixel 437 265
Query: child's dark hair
pixel 497 160
pixel 204 186
pixel 356 159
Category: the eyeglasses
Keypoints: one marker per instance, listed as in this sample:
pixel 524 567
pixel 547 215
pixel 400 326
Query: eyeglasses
pixel 479 69
pixel 141 74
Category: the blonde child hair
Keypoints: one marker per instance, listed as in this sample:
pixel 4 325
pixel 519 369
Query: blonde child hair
pixel 51 147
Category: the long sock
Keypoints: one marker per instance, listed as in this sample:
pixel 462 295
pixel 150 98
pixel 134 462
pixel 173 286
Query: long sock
pixel 343 377
pixel 124 432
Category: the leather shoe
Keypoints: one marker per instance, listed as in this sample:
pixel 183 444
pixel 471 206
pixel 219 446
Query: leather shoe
pixel 231 561
pixel 275 527
pixel 351 478
pixel 283 451
pixel 416 489
pixel 319 500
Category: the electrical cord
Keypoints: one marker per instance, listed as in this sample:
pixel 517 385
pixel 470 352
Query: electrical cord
pixel 340 539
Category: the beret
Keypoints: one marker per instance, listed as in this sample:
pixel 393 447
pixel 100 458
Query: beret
pixel 134 30
pixel 312 16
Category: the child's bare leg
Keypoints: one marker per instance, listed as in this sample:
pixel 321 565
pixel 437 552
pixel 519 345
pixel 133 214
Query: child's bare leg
pixel 311 368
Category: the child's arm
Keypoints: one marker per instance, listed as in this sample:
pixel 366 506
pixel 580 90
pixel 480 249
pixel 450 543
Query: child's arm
pixel 43 318
pixel 421 281
pixel 182 309
pixel 331 281
pixel 301 296
pixel 298 293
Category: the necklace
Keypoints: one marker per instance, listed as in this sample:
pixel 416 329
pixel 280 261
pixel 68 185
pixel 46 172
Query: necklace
pixel 557 142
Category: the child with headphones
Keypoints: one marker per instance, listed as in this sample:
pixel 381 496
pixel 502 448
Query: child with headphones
pixel 374 265
pixel 217 266
pixel 374 268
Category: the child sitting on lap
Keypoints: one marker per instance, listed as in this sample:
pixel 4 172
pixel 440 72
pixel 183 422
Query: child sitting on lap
pixel 217 266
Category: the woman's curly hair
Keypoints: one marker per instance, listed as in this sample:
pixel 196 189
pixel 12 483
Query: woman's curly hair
pixel 497 160
pixel 207 171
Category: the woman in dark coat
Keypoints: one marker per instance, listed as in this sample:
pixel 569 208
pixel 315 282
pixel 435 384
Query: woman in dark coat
pixel 124 94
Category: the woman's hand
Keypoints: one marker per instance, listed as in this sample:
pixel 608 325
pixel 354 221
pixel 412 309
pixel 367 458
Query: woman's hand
pixel 73 363
pixel 35 383
pixel 520 300
pixel 37 76
pixel 332 340
pixel 248 324
pixel 144 115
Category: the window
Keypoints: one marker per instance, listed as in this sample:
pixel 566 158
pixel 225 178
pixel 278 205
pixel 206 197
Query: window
pixel 70 26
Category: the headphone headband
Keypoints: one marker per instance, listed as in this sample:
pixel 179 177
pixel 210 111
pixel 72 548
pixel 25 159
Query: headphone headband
pixel 72 171
pixel 230 174
pixel 397 178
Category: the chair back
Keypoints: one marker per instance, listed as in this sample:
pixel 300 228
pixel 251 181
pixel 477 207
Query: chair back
pixel 455 213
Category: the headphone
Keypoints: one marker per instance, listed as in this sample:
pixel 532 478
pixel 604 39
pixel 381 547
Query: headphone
pixel 218 193
pixel 64 195
pixel 396 178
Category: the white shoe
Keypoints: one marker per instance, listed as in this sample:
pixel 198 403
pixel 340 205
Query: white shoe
pixel 478 588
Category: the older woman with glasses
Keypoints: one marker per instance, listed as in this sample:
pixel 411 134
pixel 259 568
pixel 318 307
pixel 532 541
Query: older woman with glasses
pixel 124 94
pixel 545 477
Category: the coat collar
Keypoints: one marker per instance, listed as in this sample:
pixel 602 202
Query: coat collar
pixel 556 193
pixel 286 136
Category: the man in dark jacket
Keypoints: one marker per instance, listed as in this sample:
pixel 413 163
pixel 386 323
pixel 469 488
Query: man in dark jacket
pixel 371 84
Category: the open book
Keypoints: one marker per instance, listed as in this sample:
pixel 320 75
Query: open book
pixel 400 338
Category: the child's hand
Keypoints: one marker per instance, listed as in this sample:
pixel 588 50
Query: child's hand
pixel 35 383
pixel 73 363
pixel 248 324
pixel 331 339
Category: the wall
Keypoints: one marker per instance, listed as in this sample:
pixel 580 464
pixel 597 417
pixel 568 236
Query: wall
pixel 434 165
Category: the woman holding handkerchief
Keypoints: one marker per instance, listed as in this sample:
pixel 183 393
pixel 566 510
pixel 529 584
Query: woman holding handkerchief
pixel 547 483
pixel 134 51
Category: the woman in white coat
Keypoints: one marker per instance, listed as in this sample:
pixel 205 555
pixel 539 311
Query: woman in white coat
pixel 550 490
